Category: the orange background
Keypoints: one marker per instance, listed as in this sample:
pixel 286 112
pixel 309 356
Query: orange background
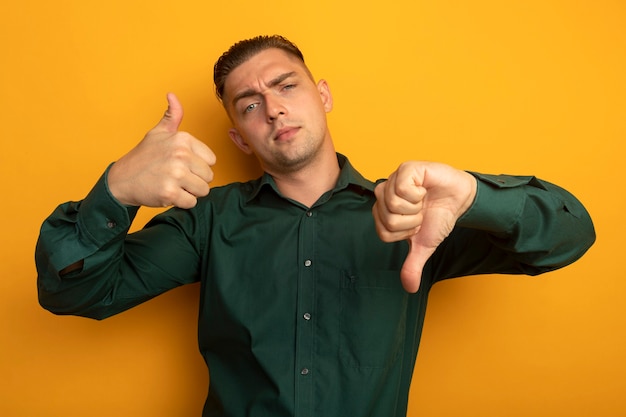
pixel 521 87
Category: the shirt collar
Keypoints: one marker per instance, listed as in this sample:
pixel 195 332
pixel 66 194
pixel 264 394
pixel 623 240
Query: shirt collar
pixel 348 176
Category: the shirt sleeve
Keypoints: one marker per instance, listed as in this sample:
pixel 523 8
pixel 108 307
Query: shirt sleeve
pixel 117 270
pixel 516 225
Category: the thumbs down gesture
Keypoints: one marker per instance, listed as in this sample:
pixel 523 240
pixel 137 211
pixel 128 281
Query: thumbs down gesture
pixel 421 202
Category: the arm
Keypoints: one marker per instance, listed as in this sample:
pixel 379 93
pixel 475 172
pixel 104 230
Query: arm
pixel 479 224
pixel 516 225
pixel 88 265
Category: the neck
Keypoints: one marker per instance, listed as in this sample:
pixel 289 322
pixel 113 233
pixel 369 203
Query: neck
pixel 308 184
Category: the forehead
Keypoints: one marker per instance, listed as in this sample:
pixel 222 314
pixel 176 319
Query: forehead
pixel 261 68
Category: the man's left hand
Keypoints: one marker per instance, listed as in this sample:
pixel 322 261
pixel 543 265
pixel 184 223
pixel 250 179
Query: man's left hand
pixel 421 202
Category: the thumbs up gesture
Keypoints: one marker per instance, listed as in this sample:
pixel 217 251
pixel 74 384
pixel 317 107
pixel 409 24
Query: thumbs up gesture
pixel 166 168
pixel 421 202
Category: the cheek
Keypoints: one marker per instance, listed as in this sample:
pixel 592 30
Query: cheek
pixel 252 126
pixel 255 133
pixel 318 113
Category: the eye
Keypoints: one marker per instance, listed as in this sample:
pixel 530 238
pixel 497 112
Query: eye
pixel 250 107
pixel 289 87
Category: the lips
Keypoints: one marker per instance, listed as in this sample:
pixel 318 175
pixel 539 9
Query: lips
pixel 286 133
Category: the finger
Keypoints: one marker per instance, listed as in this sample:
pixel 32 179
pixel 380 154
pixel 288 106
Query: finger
pixel 173 115
pixel 394 228
pixel 411 273
pixel 400 224
pixel 203 151
pixel 394 213
pixel 402 197
pixel 199 167
pixel 408 192
pixel 185 200
pixel 409 184
pixel 195 186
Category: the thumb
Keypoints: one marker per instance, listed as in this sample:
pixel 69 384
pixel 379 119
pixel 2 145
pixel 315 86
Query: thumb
pixel 173 115
pixel 411 273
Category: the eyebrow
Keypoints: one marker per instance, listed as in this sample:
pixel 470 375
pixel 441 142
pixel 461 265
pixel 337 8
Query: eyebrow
pixel 274 82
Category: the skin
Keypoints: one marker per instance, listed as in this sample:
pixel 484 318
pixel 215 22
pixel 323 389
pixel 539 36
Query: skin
pixel 421 202
pixel 167 168
pixel 279 114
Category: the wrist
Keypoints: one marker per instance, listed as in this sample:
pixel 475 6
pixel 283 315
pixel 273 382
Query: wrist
pixel 471 188
pixel 115 186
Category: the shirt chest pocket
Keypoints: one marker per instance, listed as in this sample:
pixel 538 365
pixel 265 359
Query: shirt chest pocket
pixel 372 318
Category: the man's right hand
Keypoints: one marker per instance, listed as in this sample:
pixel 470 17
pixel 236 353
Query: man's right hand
pixel 167 168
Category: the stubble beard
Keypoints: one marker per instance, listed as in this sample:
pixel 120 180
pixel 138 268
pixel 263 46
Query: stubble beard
pixel 297 156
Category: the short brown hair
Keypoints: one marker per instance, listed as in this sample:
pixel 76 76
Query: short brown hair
pixel 243 50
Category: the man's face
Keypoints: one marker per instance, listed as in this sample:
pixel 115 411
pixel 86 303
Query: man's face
pixel 277 110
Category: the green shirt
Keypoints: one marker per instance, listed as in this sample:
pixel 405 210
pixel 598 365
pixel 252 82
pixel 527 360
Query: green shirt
pixel 302 312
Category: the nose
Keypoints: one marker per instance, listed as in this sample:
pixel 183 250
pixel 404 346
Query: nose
pixel 274 108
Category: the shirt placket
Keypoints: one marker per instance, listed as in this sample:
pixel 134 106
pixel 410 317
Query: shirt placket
pixel 305 368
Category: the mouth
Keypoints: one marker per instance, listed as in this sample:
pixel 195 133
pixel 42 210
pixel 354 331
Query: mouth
pixel 285 133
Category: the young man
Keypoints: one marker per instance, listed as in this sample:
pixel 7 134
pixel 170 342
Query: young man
pixel 312 303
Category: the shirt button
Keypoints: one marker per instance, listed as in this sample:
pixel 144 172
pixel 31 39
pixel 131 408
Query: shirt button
pixel 307 316
pixel 307 262
pixel 304 371
pixel 111 224
pixel 309 214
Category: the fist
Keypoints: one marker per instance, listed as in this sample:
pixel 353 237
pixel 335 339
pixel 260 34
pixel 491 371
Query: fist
pixel 420 203
pixel 167 168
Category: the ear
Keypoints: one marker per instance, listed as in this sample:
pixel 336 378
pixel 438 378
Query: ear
pixel 327 98
pixel 239 141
